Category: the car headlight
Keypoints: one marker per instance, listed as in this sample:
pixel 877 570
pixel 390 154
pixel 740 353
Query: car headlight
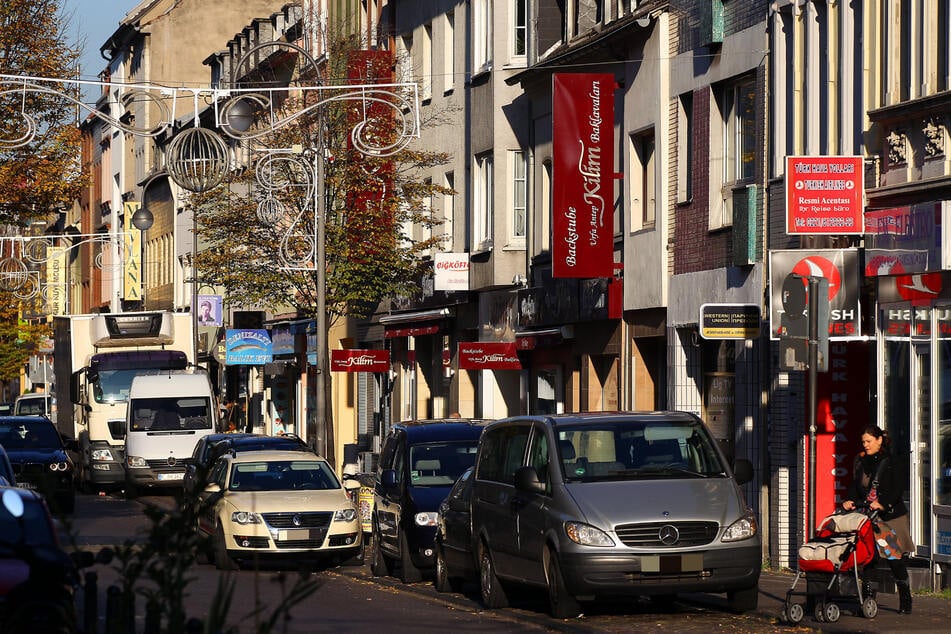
pixel 587 535
pixel 243 517
pixel 743 528
pixel 102 455
pixel 426 519
pixel 59 466
pixel 345 515
pixel 136 462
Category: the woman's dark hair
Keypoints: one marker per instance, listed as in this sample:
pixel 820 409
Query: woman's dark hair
pixel 877 432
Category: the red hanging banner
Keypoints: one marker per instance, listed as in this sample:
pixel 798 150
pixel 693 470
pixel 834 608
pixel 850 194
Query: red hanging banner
pixel 488 355
pixel 583 175
pixel 359 360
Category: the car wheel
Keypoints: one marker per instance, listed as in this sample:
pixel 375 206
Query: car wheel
pixel 562 604
pixel 744 600
pixel 409 573
pixel 223 560
pixel 493 594
pixel 443 582
pixel 380 565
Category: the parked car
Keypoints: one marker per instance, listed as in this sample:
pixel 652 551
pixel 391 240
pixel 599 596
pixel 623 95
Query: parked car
pixel 612 504
pixel 278 503
pixel 455 562
pixel 209 448
pixel 6 409
pixel 39 459
pixel 35 404
pixel 37 577
pixel 418 465
pixel 7 477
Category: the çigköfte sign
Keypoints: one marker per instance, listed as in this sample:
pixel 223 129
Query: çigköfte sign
pixel 583 175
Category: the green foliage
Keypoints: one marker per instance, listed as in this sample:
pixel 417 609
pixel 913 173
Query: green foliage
pixel 44 173
pixel 18 339
pixel 259 240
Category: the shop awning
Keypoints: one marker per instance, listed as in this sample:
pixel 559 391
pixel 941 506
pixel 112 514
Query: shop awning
pixel 531 339
pixel 414 324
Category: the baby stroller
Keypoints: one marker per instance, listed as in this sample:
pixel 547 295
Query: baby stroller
pixel 833 564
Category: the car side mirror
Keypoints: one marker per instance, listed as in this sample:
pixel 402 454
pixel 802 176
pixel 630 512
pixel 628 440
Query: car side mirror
pixel 526 479
pixel 351 484
pixel 388 479
pixel 743 471
pixel 212 488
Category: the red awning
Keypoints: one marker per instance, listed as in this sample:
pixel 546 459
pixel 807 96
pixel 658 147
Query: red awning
pixel 416 330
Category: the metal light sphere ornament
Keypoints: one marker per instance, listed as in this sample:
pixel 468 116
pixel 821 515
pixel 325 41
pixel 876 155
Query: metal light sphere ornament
pixel 143 219
pixel 13 274
pixel 197 159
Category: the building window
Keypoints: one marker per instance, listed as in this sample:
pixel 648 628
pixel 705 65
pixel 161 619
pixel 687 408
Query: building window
pixel 545 205
pixel 519 194
pixel 519 28
pixel 643 192
pixel 684 147
pixel 482 203
pixel 449 52
pixel 481 36
pixel 426 72
pixel 733 151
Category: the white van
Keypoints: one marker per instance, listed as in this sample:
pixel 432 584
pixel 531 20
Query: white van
pixel 168 413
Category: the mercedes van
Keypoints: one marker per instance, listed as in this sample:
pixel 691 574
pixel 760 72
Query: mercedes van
pixel 611 504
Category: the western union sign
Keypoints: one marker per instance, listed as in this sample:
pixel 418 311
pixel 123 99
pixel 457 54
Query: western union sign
pixel 730 321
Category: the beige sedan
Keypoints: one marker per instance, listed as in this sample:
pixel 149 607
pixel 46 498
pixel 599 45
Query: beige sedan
pixel 268 504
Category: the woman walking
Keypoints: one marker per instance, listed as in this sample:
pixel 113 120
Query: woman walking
pixel 875 483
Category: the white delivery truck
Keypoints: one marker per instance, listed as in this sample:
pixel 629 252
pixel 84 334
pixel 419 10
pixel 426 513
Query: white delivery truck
pixel 168 413
pixel 95 358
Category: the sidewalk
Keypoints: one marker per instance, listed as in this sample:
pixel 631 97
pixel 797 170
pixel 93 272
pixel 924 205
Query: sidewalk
pixel 930 613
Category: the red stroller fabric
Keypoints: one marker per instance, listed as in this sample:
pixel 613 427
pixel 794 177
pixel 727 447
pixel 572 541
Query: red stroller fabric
pixel 842 542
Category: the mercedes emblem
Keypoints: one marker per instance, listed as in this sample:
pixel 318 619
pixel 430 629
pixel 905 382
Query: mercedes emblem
pixel 668 534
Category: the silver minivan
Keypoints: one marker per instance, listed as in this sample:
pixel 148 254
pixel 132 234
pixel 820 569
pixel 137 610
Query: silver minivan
pixel 612 504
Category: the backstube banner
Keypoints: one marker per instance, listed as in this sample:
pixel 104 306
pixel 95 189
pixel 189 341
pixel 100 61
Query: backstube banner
pixel 583 172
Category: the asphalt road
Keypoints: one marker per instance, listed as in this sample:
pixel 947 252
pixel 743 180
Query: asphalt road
pixel 350 599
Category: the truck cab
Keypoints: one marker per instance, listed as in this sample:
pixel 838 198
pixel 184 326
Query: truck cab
pixel 168 413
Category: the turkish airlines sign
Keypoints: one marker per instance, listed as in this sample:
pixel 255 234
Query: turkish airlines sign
pixel 489 355
pixel 839 266
pixel 824 194
pixel 359 360
pixel 583 175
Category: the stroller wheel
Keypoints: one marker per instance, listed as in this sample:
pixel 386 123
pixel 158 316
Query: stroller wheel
pixel 869 608
pixel 794 613
pixel 820 611
pixel 832 612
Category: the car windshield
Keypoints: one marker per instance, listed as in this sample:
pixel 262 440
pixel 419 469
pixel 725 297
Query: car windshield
pixel 628 450
pixel 19 435
pixel 32 529
pixel 283 475
pixel 170 414
pixel 112 386
pixel 33 406
pixel 440 463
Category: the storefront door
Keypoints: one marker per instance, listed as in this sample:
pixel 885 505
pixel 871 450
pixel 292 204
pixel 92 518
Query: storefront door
pixel 920 455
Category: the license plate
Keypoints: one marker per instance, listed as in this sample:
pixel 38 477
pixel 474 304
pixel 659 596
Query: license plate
pixel 670 564
pixel 294 534
pixel 171 476
pixel 27 485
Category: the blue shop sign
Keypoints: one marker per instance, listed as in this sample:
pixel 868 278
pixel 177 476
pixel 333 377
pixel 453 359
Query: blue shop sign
pixel 282 340
pixel 248 347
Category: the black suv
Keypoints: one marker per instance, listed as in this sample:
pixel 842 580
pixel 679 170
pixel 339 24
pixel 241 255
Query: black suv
pixel 39 459
pixel 419 463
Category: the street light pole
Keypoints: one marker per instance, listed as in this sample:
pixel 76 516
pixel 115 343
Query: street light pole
pixel 323 441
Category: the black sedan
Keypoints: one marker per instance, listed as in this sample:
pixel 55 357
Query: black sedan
pixel 39 459
pixel 211 447
pixel 37 577
pixel 455 561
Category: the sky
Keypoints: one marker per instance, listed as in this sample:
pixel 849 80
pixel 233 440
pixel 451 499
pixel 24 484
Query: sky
pixel 92 22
